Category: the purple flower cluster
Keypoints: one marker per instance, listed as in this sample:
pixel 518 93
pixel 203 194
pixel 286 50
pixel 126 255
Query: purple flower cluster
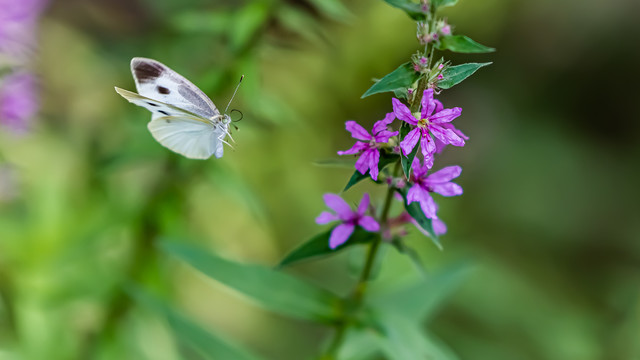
pixel 433 128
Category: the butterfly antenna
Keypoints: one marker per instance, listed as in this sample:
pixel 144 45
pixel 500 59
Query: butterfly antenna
pixel 234 93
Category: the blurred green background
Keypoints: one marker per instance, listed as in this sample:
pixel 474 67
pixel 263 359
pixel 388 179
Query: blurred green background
pixel 549 218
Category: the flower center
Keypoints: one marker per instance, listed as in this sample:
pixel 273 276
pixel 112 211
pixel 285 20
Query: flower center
pixel 423 123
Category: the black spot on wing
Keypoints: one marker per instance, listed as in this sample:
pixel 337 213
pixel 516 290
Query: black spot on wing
pixel 152 104
pixel 163 112
pixel 163 90
pixel 147 72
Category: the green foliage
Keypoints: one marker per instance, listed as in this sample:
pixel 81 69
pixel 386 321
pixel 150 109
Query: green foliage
pixel 412 9
pixel 416 213
pixel 270 288
pixel 407 161
pixel 454 75
pixel 399 80
pixel 207 344
pixel 385 159
pixel 462 44
pixel 333 9
pixel 443 3
pixel 318 246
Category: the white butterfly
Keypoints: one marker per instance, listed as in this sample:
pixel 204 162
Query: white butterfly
pixel 183 118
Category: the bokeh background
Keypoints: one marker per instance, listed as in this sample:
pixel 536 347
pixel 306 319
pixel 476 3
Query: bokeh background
pixel 549 218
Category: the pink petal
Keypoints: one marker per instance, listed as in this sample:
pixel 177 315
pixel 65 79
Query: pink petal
pixel 439 227
pixel 382 124
pixel 362 164
pixel 340 235
pixel 326 217
pixel 444 175
pixel 428 162
pixel 402 112
pixel 374 159
pixel 410 141
pixel 415 193
pixel 364 204
pixel 385 135
pixel 428 105
pixel 355 149
pixel 428 207
pixel 337 204
pixel 439 106
pixel 445 115
pixel 447 189
pixel 447 136
pixel 369 223
pixel 357 131
pixel 428 146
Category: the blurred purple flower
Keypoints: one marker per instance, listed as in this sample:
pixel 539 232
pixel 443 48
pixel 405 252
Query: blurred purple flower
pixel 348 218
pixel 438 182
pixel 430 121
pixel 18 23
pixel 368 147
pixel 439 227
pixel 18 100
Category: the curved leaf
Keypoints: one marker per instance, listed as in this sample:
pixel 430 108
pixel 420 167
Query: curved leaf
pixel 443 3
pixel 319 246
pixel 414 10
pixel 454 75
pixel 274 290
pixel 462 44
pixel 399 79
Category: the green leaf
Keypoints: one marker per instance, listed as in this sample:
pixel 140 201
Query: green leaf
pixel 319 246
pixel 247 23
pixel 399 79
pixel 454 75
pixel 416 213
pixel 274 290
pixel 420 300
pixel 385 159
pixel 333 9
pixel 209 345
pixel 407 161
pixel 443 3
pixel 462 44
pixel 216 22
pixel 412 9
pixel 413 255
pixel 339 163
pixel 359 344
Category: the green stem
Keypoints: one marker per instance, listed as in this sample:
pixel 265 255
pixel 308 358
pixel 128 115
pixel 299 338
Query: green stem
pixel 357 296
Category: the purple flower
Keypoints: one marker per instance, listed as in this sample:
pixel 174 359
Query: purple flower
pixel 18 21
pixel 439 144
pixel 438 182
pixel 368 147
pixel 446 30
pixel 430 121
pixel 18 100
pixel 348 218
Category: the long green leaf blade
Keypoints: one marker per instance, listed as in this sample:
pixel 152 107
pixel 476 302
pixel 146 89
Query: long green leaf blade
pixel 208 344
pixel 462 44
pixel 272 289
pixel 415 11
pixel 399 79
pixel 454 75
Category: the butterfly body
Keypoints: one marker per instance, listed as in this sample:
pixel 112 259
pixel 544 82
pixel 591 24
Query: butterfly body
pixel 183 118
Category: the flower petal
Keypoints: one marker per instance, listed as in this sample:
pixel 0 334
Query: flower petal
pixel 326 217
pixel 447 136
pixel 415 193
pixel 384 136
pixel 439 227
pixel 382 124
pixel 429 207
pixel 337 204
pixel 410 141
pixel 428 105
pixel 362 164
pixel 444 175
pixel 340 235
pixel 439 106
pixel 355 149
pixel 357 131
pixel 364 204
pixel 447 189
pixel 374 159
pixel 445 115
pixel 369 223
pixel 428 146
pixel 402 112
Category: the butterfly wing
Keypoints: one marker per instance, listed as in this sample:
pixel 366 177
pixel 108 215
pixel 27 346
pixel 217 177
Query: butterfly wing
pixel 188 136
pixel 158 108
pixel 157 81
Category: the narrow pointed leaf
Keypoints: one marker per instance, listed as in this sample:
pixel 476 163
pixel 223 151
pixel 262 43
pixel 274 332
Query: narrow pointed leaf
pixel 209 345
pixel 443 3
pixel 272 289
pixel 414 10
pixel 454 75
pixel 385 159
pixel 416 213
pixel 407 161
pixel 333 9
pixel 318 246
pixel 399 79
pixel 462 44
